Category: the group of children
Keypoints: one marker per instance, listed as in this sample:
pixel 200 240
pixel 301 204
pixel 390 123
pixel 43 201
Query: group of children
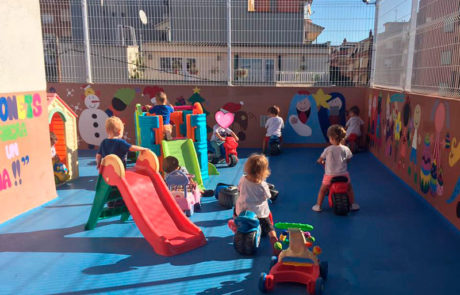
pixel 253 188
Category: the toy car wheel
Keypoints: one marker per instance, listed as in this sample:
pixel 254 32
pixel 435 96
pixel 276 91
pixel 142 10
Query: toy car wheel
pixel 319 286
pixel 262 280
pixel 227 196
pixel 232 160
pixel 341 204
pixel 245 244
pixel 273 261
pixel 323 269
pixel 197 207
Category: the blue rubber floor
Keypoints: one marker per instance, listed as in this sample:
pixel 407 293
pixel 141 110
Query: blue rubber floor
pixel 396 244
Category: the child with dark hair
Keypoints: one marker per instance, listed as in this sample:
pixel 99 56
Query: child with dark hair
pixel 274 124
pixel 354 127
pixel 171 164
pixel 335 158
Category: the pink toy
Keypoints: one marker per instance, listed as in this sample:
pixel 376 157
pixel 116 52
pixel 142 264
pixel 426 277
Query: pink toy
pixel 187 196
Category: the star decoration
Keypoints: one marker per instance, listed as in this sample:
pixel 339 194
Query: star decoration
pixel 76 107
pixel 196 89
pixel 70 92
pixel 321 99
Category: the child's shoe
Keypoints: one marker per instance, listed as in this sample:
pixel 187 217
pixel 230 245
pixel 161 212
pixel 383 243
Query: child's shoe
pixel 273 242
pixel 354 207
pixel 232 225
pixel 316 208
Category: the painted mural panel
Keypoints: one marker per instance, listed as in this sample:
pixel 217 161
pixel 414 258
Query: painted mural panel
pixel 307 112
pixel 420 145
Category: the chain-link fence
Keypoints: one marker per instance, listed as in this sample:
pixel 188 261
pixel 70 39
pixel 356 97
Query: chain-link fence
pixel 418 46
pixel 238 42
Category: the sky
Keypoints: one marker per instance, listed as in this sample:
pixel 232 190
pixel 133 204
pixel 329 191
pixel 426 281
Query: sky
pixel 352 19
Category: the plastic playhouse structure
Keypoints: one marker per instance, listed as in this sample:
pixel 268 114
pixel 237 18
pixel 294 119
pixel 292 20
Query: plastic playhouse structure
pixel 187 196
pixel 297 263
pixel 148 200
pixel 190 145
pixel 63 123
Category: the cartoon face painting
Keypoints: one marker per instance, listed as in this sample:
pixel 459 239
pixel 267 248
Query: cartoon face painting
pixel 92 101
pixel 91 122
pixel 303 110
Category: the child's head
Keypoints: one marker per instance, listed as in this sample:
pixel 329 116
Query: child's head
pixel 274 111
pixel 336 134
pixel 161 98
pixel 170 164
pixel 53 138
pixel 256 168
pixel 114 126
pixel 354 111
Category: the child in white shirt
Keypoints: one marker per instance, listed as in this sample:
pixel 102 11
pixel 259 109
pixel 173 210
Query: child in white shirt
pixel 354 127
pixel 335 158
pixel 274 124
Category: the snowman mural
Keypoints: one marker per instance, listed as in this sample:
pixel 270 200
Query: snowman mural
pixel 304 126
pixel 91 123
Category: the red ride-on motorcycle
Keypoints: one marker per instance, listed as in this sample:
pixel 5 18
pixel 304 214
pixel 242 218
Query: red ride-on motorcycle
pixel 339 198
pixel 231 155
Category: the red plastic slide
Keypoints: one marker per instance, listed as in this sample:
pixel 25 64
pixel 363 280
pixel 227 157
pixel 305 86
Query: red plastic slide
pixel 152 206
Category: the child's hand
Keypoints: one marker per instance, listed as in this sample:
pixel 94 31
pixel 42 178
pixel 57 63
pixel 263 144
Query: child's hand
pixel 321 161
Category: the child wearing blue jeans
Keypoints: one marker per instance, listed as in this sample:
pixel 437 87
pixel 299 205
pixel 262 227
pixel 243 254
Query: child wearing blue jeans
pixel 218 138
pixel 164 109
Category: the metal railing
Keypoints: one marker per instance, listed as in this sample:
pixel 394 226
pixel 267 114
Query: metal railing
pixel 241 42
pixel 418 46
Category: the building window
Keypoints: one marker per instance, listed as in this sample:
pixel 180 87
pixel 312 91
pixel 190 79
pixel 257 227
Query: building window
pixel 165 64
pixel 176 64
pixel 47 19
pixel 448 25
pixel 191 66
pixel 258 5
pixel 446 58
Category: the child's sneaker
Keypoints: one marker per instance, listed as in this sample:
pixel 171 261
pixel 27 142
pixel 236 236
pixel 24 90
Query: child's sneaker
pixel 354 207
pixel 316 208
pixel 232 225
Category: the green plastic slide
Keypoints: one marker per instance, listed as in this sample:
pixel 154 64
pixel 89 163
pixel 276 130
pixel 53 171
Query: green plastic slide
pixel 184 151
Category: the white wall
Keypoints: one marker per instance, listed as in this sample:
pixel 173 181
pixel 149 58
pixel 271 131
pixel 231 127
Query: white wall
pixel 21 47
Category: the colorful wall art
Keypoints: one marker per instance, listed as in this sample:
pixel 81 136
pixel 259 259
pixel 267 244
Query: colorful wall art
pixel 307 112
pixel 419 144
pixel 26 173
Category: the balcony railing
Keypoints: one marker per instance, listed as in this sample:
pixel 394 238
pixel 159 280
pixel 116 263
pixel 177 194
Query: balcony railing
pixel 302 77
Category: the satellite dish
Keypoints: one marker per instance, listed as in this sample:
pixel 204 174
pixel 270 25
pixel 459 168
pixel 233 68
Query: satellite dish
pixel 143 17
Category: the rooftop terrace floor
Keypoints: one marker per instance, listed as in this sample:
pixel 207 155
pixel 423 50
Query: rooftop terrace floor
pixel 396 244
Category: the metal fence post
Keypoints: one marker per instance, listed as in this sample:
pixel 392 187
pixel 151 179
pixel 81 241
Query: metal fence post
pixel 84 9
pixel 374 43
pixel 411 46
pixel 229 42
